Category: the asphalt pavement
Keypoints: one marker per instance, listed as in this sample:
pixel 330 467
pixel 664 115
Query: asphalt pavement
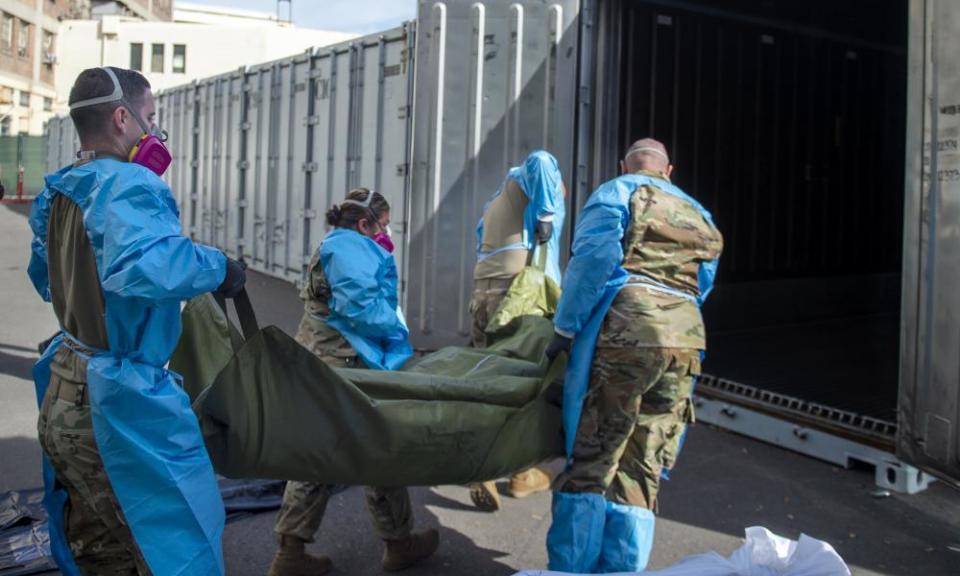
pixel 722 484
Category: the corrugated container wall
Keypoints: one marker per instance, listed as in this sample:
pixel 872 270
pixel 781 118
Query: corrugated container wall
pixel 495 80
pixel 930 336
pixel 261 153
pixel 62 143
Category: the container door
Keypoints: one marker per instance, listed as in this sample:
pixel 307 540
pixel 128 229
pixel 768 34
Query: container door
pixel 357 123
pixel 929 431
pixel 495 80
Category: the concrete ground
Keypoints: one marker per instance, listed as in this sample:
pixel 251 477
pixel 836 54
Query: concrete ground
pixel 722 484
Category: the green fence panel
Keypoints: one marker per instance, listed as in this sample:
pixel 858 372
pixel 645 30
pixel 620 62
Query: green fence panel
pixel 34 158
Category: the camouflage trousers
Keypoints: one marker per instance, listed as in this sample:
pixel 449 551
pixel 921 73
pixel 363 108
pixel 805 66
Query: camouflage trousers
pixel 487 296
pixel 637 407
pixel 304 503
pixel 97 533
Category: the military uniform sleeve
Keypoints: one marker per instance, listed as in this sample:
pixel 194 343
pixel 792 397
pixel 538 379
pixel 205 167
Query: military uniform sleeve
pixel 145 254
pixel 597 251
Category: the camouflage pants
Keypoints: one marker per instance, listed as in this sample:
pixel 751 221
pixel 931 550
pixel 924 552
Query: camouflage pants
pixel 97 533
pixel 636 409
pixel 304 503
pixel 487 296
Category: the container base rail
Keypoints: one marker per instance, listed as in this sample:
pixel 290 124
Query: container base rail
pixel 780 423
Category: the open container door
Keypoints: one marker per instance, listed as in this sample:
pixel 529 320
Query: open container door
pixel 929 435
pixel 495 80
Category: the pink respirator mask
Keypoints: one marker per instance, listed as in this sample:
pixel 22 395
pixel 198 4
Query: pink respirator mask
pixel 150 151
pixel 382 238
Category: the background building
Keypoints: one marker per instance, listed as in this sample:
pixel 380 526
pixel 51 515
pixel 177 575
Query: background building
pixel 45 44
pixel 200 41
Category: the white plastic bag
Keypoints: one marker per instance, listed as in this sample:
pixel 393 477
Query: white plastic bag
pixel 763 554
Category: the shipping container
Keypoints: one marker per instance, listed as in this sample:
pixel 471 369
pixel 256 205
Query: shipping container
pixel 810 130
pixel 261 153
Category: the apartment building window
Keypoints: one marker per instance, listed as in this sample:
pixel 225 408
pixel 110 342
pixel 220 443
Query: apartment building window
pixel 6 33
pixel 156 58
pixel 24 98
pixel 47 104
pixel 49 48
pixel 136 57
pixel 179 58
pixel 23 40
pixel 5 126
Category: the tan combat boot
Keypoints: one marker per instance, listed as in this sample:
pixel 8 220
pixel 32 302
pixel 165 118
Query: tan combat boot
pixel 528 482
pixel 401 554
pixel 293 560
pixel 485 496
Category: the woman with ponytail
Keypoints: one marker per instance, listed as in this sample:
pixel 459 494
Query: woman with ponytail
pixel 352 320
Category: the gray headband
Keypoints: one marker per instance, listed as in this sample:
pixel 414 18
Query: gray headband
pixel 116 96
pixel 639 149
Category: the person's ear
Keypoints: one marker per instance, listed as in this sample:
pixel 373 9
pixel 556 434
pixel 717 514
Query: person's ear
pixel 118 120
pixel 669 170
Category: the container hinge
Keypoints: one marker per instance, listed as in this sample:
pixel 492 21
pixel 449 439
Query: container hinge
pixel 311 166
pixel 403 169
pixel 308 214
pixel 248 86
pixel 194 163
pixel 403 112
pixel 242 203
pixel 311 120
pixel 245 126
pixel 243 164
pixel 196 129
pixel 316 73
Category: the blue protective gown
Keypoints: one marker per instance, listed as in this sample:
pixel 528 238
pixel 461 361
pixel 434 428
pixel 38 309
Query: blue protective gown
pixel 539 178
pixel 364 307
pixel 589 534
pixel 147 434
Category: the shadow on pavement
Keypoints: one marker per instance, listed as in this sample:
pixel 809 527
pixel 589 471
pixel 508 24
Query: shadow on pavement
pixel 19 463
pixel 347 536
pixel 17 365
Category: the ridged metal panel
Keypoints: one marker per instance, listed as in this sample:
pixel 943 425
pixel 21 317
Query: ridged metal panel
pixel 930 363
pixel 62 143
pixel 495 80
pixel 53 144
pixel 259 154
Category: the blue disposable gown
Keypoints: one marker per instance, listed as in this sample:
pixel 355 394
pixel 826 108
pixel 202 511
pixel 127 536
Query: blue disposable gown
pixel 590 534
pixel 364 306
pixel 539 178
pixel 147 435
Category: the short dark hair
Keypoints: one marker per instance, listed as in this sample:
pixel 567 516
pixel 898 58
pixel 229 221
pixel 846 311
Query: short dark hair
pixel 95 82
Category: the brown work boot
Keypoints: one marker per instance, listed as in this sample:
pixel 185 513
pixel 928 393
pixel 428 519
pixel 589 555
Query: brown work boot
pixel 528 482
pixel 485 496
pixel 402 554
pixel 292 560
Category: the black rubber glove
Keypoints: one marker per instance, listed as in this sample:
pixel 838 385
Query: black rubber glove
pixel 559 344
pixel 544 231
pixel 234 279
